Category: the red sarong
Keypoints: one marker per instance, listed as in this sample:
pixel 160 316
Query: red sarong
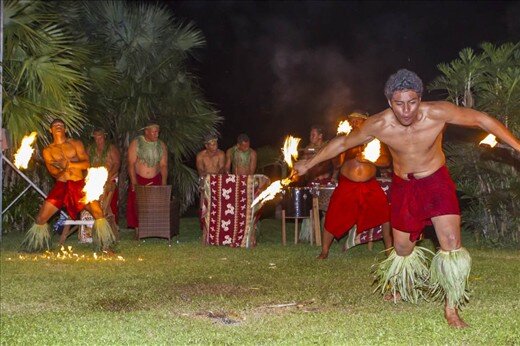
pixel 131 206
pixel 416 201
pixel 68 193
pixel 363 204
pixel 113 204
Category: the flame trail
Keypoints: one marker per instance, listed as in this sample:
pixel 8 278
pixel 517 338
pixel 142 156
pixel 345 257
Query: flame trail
pixel 344 128
pixel 94 183
pixel 24 153
pixel 372 150
pixel 489 140
pixel 269 193
pixel 290 150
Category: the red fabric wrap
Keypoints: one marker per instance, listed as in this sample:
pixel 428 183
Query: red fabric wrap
pixel 68 193
pixel 416 201
pixel 363 204
pixel 131 206
pixel 113 203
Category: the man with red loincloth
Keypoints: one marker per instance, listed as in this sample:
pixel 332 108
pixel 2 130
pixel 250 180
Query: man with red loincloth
pixel 66 159
pixel 147 165
pixel 422 191
pixel 104 154
pixel 358 200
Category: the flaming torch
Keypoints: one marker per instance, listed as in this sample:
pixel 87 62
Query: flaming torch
pixel 372 150
pixel 290 154
pixel 489 140
pixel 94 183
pixel 344 128
pixel 24 153
pixel 290 150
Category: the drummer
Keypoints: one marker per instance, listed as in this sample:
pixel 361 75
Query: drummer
pixel 322 173
pixel 358 199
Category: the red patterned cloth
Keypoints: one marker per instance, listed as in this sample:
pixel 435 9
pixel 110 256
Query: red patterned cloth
pixel 226 214
pixel 363 204
pixel 131 206
pixel 416 201
pixel 68 193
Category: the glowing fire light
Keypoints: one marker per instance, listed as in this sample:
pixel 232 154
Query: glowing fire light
pixel 94 183
pixel 68 254
pixel 372 150
pixel 489 140
pixel 290 150
pixel 344 128
pixel 290 154
pixel 269 193
pixel 24 153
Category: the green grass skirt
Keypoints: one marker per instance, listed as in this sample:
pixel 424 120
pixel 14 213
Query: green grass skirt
pixel 37 238
pixel 406 275
pixel 449 277
pixel 102 234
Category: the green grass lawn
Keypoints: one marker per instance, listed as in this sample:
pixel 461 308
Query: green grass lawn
pixel 190 294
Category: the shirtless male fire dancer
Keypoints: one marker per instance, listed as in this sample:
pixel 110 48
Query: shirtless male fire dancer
pixel 66 159
pixel 422 190
pixel 147 165
pixel 358 199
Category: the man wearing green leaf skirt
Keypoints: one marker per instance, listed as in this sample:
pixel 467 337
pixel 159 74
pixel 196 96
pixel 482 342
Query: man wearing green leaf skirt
pixel 422 191
pixel 66 159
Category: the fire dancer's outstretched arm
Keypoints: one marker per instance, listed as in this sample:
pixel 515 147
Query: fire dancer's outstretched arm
pixel 334 148
pixel 468 117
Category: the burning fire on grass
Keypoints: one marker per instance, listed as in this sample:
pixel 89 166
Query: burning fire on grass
pixel 24 153
pixel 65 254
pixel 290 154
pixel 94 183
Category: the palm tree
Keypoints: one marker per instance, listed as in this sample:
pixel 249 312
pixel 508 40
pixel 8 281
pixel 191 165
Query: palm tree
pixel 148 51
pixel 43 76
pixel 43 79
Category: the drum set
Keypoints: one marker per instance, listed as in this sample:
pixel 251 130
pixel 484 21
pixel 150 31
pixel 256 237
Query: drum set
pixel 297 201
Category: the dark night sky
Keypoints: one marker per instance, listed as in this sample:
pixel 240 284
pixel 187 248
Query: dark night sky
pixel 275 68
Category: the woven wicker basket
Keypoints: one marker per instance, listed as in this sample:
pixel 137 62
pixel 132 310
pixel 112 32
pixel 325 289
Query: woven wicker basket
pixel 153 210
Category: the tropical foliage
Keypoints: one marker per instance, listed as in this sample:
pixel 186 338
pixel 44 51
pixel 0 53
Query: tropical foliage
pixel 43 77
pixel 142 54
pixel 489 81
pixel 113 64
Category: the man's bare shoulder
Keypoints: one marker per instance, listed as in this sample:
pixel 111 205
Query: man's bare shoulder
pixel 380 120
pixel 220 153
pixel 201 153
pixel 437 110
pixel 75 142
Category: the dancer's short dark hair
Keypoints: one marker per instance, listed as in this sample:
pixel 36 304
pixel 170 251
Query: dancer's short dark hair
pixel 403 80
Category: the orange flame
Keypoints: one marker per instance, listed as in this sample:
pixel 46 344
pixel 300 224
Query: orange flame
pixel 269 193
pixel 290 150
pixel 372 150
pixel 94 183
pixel 344 128
pixel 489 140
pixel 68 254
pixel 24 153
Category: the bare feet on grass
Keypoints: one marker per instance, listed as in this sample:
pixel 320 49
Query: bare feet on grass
pixel 323 255
pixel 453 318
